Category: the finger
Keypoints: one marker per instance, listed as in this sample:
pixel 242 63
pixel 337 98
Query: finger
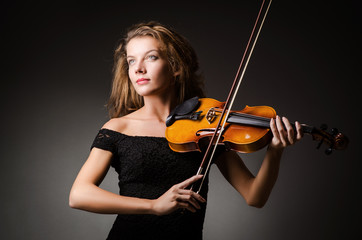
pixel 193 194
pixel 290 130
pixel 273 128
pixel 188 199
pixel 281 131
pixel 191 197
pixel 189 181
pixel 187 206
pixel 298 126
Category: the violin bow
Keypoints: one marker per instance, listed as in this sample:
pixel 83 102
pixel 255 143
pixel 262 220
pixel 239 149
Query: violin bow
pixel 210 151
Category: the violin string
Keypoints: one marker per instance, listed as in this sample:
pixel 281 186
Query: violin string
pixel 246 115
pixel 234 92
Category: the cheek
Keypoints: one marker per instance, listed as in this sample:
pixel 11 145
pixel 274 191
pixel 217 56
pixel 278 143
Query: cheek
pixel 165 73
pixel 130 75
pixel 132 78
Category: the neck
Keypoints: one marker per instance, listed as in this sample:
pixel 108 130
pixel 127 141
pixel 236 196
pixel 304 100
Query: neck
pixel 158 107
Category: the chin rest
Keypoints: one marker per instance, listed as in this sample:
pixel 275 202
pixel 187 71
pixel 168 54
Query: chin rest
pixel 183 111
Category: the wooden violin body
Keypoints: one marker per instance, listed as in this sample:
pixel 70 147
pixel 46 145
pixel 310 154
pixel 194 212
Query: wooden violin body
pixel 189 135
pixel 192 124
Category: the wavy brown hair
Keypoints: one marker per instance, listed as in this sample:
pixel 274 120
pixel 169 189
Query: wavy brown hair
pixel 181 59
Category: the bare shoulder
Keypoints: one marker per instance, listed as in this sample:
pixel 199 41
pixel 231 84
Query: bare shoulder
pixel 129 124
pixel 117 124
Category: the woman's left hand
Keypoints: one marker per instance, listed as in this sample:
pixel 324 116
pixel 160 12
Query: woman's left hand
pixel 283 134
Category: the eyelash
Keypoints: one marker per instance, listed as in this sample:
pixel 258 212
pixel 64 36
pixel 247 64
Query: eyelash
pixel 152 57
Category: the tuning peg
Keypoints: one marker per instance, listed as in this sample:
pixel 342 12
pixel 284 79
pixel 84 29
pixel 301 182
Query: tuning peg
pixel 334 131
pixel 328 151
pixel 323 127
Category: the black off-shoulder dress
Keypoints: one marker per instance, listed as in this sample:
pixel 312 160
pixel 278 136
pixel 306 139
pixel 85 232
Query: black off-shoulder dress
pixel 147 168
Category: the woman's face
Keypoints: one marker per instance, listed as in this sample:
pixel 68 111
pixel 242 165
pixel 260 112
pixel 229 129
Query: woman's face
pixel 148 69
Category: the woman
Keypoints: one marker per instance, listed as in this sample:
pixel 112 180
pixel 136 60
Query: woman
pixel 156 69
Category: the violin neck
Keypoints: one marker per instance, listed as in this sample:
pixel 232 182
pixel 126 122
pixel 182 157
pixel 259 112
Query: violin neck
pixel 257 121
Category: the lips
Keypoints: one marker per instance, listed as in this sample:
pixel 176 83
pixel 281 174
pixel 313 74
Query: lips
pixel 141 81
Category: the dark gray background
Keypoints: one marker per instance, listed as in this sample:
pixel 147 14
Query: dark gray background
pixel 55 80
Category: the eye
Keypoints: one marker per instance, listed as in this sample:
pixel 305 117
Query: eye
pixel 152 57
pixel 131 61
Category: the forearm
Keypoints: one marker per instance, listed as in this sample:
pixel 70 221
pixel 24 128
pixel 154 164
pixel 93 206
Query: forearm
pixel 89 197
pixel 264 181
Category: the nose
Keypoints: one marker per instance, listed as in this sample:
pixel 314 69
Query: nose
pixel 140 67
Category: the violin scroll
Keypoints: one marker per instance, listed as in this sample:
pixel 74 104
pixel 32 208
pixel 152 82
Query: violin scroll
pixel 335 140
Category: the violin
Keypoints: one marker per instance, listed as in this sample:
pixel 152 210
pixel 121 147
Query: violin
pixel 195 123
pixel 191 125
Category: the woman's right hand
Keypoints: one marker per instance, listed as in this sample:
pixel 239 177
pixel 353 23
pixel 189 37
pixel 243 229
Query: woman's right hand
pixel 178 197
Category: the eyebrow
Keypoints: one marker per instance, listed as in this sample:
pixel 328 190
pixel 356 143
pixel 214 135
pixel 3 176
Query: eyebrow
pixel 156 50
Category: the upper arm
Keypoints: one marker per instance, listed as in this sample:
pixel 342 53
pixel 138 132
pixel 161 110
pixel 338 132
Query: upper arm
pixel 235 172
pixel 97 165
pixel 95 168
